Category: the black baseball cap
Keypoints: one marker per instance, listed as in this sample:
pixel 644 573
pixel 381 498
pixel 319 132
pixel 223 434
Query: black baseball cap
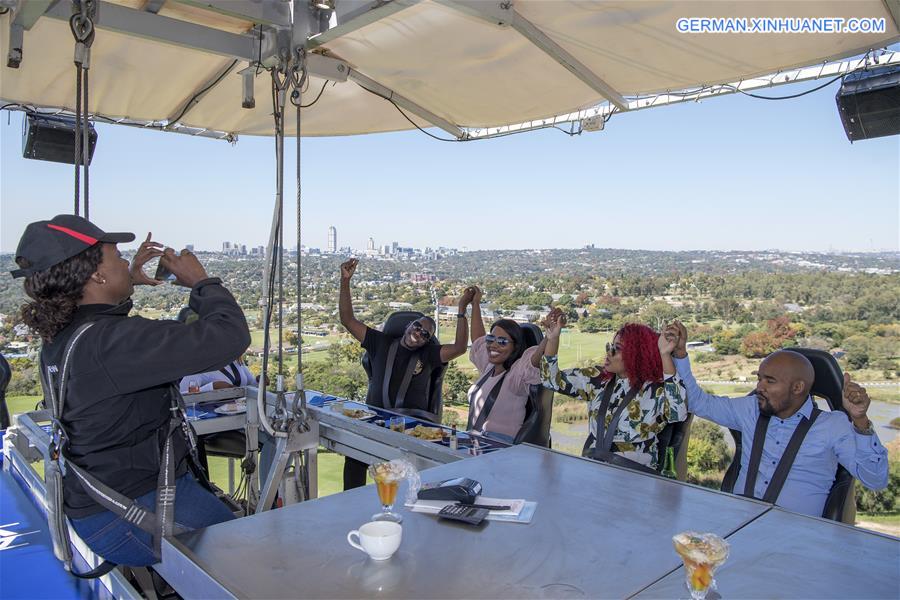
pixel 48 243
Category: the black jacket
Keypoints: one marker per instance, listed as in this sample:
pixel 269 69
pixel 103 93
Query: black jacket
pixel 117 403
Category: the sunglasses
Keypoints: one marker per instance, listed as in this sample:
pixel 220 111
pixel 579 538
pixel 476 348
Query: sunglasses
pixel 612 349
pixel 423 333
pixel 500 341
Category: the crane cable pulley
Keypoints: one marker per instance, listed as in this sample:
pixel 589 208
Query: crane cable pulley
pixel 82 25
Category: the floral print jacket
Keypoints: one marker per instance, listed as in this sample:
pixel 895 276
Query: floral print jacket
pixel 649 412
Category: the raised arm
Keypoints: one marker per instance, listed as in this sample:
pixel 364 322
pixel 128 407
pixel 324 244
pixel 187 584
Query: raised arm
pixel 668 340
pixel 549 346
pixel 859 449
pixel 458 347
pixel 478 331
pixel 345 305
pixel 577 383
pixel 718 409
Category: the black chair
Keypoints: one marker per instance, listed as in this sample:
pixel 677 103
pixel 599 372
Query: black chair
pixel 828 385
pixel 535 428
pixel 5 376
pixel 394 327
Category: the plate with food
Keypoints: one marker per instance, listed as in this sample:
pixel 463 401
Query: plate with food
pixel 232 408
pixel 357 413
pixel 428 434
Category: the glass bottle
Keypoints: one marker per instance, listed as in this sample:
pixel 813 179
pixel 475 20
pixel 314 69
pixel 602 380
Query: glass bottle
pixel 669 465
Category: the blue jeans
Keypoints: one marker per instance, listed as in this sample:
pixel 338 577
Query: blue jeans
pixel 124 544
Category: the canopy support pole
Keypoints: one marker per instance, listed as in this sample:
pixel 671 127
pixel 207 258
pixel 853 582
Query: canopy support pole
pixel 389 94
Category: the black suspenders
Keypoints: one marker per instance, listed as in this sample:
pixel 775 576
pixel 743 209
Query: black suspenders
pixel 787 459
pixel 232 373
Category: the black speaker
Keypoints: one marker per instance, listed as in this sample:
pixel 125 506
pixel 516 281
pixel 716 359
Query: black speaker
pixel 869 103
pixel 52 137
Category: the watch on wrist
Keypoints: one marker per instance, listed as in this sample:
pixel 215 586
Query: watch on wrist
pixel 461 315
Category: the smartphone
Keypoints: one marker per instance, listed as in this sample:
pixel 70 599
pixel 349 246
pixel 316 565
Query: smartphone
pixel 163 274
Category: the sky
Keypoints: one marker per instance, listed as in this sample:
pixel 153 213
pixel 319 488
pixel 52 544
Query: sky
pixel 730 173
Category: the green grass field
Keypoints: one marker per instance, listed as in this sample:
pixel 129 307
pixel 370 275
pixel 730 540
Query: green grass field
pixel 892 519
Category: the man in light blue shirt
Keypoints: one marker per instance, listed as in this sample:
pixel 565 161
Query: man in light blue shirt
pixel 782 393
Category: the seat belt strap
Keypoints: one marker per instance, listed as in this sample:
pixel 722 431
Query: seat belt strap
pixel 400 400
pixel 773 490
pixel 787 459
pixel 759 439
pixel 601 414
pixel 388 373
pixel 489 402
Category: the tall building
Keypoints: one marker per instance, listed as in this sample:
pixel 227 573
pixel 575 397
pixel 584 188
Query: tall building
pixel 189 247
pixel 371 246
pixel 332 239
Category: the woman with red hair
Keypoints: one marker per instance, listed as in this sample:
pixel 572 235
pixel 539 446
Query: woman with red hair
pixel 631 398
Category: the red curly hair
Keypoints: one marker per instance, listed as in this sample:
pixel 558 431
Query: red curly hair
pixel 640 353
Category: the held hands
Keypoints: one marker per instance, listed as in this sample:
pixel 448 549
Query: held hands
pixel 468 297
pixel 348 268
pixel 856 402
pixel 673 340
pixel 554 323
pixel 148 250
pixel 187 269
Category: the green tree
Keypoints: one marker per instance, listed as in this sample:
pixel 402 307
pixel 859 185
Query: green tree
pixel 25 378
pixel 657 314
pixel 345 352
pixel 344 380
pixel 727 342
pixel 456 385
pixel 707 453
pixel 885 501
pixel 758 344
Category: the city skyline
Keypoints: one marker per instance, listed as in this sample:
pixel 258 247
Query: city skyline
pixel 731 173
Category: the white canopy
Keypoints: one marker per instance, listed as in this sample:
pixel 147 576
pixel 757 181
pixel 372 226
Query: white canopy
pixel 451 63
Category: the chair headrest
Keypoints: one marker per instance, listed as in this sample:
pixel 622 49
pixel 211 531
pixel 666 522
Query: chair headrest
pixel 532 334
pixel 829 382
pixel 397 322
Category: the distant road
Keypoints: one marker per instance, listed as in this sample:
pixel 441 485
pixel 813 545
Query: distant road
pixel 864 383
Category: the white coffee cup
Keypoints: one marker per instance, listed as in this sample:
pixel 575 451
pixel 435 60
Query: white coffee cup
pixel 378 539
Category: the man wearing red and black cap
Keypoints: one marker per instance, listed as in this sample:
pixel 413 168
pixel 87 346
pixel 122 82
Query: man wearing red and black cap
pixel 120 374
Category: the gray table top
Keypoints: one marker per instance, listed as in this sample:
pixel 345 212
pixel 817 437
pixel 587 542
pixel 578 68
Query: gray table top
pixel 598 531
pixel 786 555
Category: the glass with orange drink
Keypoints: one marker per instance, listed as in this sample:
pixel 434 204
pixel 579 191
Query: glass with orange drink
pixel 387 478
pixel 702 554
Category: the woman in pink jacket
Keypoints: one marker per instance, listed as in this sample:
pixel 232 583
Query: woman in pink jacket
pixel 507 370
